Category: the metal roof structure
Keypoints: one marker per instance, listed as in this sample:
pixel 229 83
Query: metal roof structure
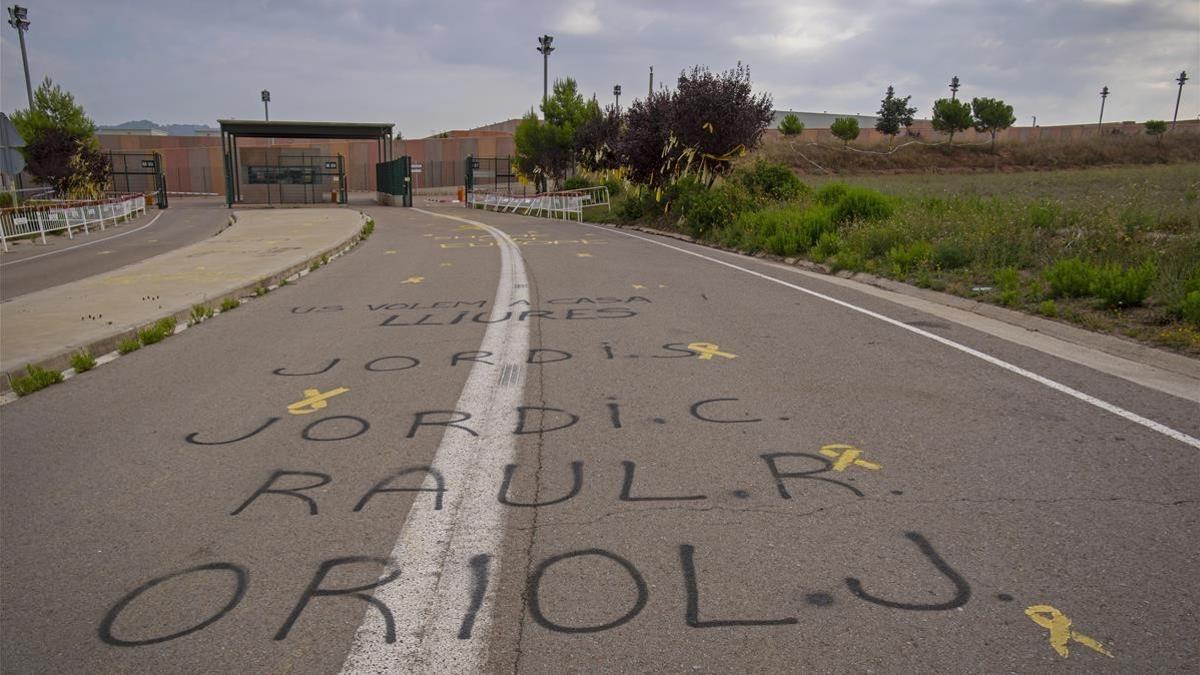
pixel 294 129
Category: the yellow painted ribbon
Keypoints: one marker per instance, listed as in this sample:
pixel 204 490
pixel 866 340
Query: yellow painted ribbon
pixel 314 400
pixel 1061 634
pixel 707 350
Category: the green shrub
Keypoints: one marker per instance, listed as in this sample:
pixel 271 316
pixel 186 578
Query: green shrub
pixel 83 361
pixel 1008 280
pixel 367 228
pixel 634 206
pixel 261 290
pixel 37 378
pixel 772 181
pixel 1047 308
pixel 951 255
pixel 832 193
pixel 229 304
pixel 861 204
pixel 1124 287
pixel 199 313
pixel 1189 309
pixel 1070 277
pixel 129 345
pixel 615 186
pixel 314 266
pixel 704 211
pixel 162 329
pixel 1042 215
pixel 828 244
pixel 791 125
pixel 875 242
pixel 905 258
pixel 576 183
pixel 848 260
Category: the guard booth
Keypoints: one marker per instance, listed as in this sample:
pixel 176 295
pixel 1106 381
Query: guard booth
pixel 138 172
pixel 288 174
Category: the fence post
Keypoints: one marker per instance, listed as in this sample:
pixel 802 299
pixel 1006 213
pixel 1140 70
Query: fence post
pixel 41 225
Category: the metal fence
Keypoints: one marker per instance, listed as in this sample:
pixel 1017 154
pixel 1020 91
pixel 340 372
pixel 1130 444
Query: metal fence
pixel 36 218
pixel 564 205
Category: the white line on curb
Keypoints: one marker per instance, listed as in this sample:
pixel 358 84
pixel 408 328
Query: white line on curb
pixel 71 248
pixel 1057 386
pixel 437 550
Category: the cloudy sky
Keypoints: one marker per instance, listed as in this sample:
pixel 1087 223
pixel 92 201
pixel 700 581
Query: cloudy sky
pixel 433 65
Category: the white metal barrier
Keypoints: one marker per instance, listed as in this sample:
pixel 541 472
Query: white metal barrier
pixel 565 205
pixel 42 217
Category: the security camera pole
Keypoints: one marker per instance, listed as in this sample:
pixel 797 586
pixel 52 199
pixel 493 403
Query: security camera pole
pixel 266 99
pixel 954 88
pixel 617 95
pixel 1181 79
pixel 18 17
pixel 545 49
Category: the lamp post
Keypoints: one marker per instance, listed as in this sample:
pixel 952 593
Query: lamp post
pixel 266 99
pixel 18 17
pixel 954 88
pixel 1103 96
pixel 617 95
pixel 544 48
pixel 651 90
pixel 1181 79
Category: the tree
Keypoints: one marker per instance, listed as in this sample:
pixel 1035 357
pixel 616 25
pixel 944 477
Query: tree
pixel 791 125
pixel 716 118
pixel 545 149
pixel 597 138
pixel 74 166
pixel 894 112
pixel 53 108
pixel 951 116
pixel 1156 128
pixel 643 143
pixel 845 128
pixel 992 115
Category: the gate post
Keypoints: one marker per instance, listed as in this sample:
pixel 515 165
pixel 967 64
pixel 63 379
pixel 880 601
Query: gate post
pixel 469 180
pixel 342 180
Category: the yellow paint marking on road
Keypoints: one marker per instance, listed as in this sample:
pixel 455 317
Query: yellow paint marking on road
pixel 446 265
pixel 1061 634
pixel 468 227
pixel 390 251
pixel 662 285
pixel 413 280
pixel 847 456
pixel 707 350
pixel 151 241
pixel 103 252
pixel 583 255
pixel 639 285
pixel 314 400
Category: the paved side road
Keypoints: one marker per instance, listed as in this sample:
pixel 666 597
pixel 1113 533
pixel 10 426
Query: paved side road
pixel 519 445
pixel 30 267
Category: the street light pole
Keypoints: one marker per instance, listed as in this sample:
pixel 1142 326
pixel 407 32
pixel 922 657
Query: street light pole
pixel 651 83
pixel 266 99
pixel 954 88
pixel 544 48
pixel 617 95
pixel 1181 79
pixel 1103 96
pixel 18 17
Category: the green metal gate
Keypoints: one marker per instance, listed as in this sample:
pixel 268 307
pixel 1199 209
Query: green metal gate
pixel 394 178
pixel 138 172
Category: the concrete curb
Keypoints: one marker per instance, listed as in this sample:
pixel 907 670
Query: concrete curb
pixel 1109 344
pixel 61 361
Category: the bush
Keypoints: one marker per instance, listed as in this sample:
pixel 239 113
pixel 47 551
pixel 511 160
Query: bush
pixel 1124 287
pixel 37 378
pixel 576 183
pixel 229 304
pixel 861 204
pixel 704 211
pixel 828 244
pixel 848 260
pixel 832 193
pixel 615 186
pixel 951 255
pixel 1047 308
pixel 1070 277
pixel 634 206
pixel 904 259
pixel 1042 215
pixel 875 242
pixel 1189 309
pixel 83 361
pixel 367 228
pixel 1008 280
pixel 129 345
pixel 776 182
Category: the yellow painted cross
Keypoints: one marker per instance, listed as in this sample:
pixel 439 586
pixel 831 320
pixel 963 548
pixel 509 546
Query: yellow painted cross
pixel 707 350
pixel 847 456
pixel 584 255
pixel 1060 630
pixel 413 280
pixel 314 400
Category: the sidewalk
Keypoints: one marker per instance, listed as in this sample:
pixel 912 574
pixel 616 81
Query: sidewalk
pixel 45 327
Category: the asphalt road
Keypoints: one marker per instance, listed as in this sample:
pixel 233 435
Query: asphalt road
pixel 553 447
pixel 30 267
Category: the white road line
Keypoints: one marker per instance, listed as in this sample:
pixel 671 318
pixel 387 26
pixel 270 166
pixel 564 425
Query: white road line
pixel 436 549
pixel 72 248
pixel 1057 386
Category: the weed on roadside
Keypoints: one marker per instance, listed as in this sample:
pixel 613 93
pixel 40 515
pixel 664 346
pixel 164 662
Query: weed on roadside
pixel 129 345
pixel 261 291
pixel 367 228
pixel 83 361
pixel 200 313
pixel 230 304
pixel 35 379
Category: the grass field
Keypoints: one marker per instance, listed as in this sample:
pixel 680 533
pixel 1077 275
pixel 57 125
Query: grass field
pixel 1114 250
